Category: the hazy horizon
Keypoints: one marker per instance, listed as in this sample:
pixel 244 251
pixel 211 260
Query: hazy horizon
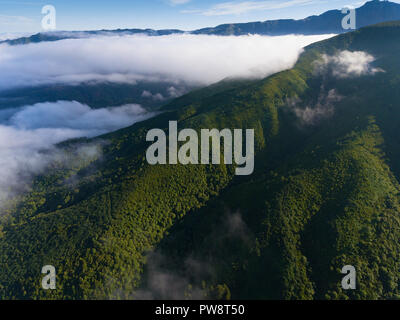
pixel 25 17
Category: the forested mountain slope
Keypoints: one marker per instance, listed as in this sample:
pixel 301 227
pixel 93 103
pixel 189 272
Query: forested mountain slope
pixel 324 194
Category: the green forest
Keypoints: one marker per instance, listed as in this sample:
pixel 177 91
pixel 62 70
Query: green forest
pixel 324 194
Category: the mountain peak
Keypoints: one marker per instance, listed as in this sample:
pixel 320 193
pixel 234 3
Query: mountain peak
pixel 379 3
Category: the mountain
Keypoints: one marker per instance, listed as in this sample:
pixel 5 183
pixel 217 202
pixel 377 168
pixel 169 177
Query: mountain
pixel 371 12
pixel 97 95
pixel 325 193
pixel 62 35
pixel 330 22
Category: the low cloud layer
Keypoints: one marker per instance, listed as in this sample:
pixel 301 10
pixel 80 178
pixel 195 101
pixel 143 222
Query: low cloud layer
pixel 347 64
pixel 75 116
pixel 192 58
pixel 28 136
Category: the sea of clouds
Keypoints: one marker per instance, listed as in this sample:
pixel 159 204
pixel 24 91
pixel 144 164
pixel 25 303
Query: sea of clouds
pixel 126 59
pixel 197 59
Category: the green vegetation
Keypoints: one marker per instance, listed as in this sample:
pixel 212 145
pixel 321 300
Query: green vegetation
pixel 96 95
pixel 322 196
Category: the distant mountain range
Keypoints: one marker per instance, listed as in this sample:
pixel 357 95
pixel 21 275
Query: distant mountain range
pixel 370 13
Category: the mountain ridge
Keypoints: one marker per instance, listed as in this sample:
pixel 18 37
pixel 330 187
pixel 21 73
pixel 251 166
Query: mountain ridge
pixel 329 22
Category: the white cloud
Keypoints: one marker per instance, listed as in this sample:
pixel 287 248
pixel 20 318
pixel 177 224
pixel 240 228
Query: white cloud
pixel 156 96
pixel 76 116
pixel 238 8
pixel 199 59
pixel 175 92
pixel 28 136
pixel 347 64
pixel 25 153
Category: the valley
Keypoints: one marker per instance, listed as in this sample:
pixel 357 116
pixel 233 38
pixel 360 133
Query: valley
pixel 324 194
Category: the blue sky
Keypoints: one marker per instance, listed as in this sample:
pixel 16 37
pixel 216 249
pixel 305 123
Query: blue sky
pixel 25 15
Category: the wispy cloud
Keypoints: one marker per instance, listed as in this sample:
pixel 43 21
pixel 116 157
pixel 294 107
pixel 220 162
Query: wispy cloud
pixel 238 8
pixel 178 2
pixel 6 20
pixel 324 108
